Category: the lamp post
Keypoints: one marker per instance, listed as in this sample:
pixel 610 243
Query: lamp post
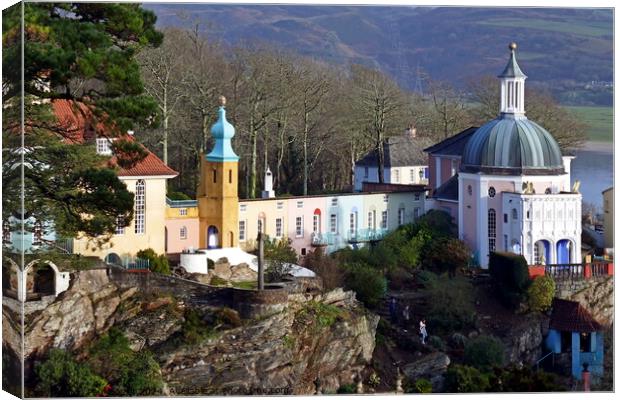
pixel 261 261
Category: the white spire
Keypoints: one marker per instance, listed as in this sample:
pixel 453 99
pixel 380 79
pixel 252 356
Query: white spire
pixel 268 192
pixel 512 81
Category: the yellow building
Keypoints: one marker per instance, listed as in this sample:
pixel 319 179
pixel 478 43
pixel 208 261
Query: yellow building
pixel 608 217
pixel 218 201
pixel 146 179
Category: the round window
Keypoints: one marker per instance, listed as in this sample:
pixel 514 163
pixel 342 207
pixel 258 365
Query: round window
pixel 491 191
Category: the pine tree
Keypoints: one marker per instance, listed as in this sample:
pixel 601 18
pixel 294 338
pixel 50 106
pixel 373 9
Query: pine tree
pixel 84 53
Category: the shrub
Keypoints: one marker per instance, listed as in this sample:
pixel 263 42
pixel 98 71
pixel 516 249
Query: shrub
pixel 458 340
pixel 326 267
pixel 451 305
pixel 423 386
pixel 447 255
pixel 217 281
pixel 437 343
pixel 177 196
pixel 510 276
pixel 61 376
pixel 522 379
pixel 129 373
pixel 399 278
pixel 228 316
pixel 465 379
pixel 195 328
pixel 157 263
pixel 540 293
pixel 369 285
pixel 427 279
pixel 348 388
pixel 484 352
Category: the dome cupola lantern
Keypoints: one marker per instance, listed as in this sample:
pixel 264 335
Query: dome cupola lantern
pixel 512 80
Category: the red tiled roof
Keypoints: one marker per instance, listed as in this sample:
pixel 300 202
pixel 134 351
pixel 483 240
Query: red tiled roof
pixel 570 316
pixel 76 121
pixel 79 126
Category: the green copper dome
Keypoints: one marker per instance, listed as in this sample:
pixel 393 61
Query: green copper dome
pixel 512 146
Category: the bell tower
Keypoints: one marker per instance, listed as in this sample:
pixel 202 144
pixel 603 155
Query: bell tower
pixel 218 201
pixel 512 80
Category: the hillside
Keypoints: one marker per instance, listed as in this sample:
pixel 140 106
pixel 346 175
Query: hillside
pixel 561 49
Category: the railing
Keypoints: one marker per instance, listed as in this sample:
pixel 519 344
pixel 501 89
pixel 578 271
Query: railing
pixel 545 357
pixel 365 235
pixel 181 203
pixel 137 263
pixel 64 245
pixel 324 239
pixel 564 271
pixel 599 268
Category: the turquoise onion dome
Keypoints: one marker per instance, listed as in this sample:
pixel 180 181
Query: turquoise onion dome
pixel 222 131
pixel 511 144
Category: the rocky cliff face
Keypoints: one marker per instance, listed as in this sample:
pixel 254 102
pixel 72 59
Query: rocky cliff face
pixel 598 298
pixel 329 335
pixel 280 354
pixel 67 322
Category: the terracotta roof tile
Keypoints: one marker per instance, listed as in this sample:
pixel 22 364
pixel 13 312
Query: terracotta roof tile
pixel 80 126
pixel 570 316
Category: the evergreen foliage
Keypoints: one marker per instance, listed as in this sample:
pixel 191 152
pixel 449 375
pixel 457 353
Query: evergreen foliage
pixel 540 293
pixel 84 53
pixel 61 376
pixel 129 373
pixel 484 353
pixel 157 263
pixel 465 379
pixel 510 276
pixel 368 283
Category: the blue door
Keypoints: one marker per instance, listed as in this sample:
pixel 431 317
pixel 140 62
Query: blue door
pixel 563 251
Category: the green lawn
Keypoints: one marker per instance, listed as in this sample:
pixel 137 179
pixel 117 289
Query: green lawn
pixel 600 121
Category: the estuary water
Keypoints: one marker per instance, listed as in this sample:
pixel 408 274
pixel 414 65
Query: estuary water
pixel 594 168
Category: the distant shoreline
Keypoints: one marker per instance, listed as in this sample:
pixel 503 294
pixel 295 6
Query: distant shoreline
pixel 604 147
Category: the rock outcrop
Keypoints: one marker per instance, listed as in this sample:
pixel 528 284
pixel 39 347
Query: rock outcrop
pixel 598 298
pixel 329 335
pixel 280 354
pixel 431 367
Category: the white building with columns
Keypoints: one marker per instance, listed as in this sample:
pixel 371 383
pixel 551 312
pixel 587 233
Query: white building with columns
pixel 514 188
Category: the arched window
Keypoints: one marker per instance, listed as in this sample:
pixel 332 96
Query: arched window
pixel 492 229
pixel 515 214
pixel 140 206
pixel 183 232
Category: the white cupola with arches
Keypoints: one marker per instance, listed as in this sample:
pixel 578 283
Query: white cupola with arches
pixel 512 87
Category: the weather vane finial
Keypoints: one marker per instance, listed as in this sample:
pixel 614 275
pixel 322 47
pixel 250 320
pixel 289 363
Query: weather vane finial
pixel 512 46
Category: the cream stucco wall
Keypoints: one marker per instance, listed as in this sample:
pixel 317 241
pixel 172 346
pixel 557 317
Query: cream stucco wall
pixel 129 243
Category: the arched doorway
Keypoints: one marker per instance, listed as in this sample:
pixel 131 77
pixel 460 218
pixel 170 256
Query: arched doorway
pixel 113 259
pixel 44 280
pixel 542 252
pixel 564 250
pixel 212 237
